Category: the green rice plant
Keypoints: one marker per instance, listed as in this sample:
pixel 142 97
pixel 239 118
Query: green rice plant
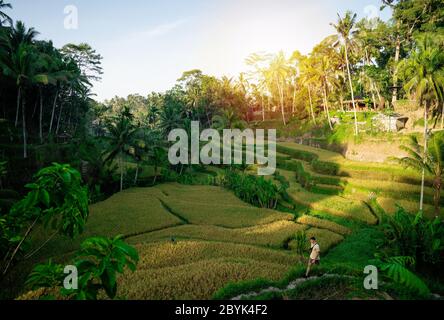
pixel 300 243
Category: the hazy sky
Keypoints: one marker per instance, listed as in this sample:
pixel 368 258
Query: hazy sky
pixel 147 44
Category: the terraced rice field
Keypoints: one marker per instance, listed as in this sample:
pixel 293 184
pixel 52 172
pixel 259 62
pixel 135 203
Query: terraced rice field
pixel 346 192
pixel 193 240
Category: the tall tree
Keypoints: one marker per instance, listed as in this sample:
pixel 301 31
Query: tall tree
pixel 23 65
pixel 277 73
pixel 345 27
pixel 88 60
pixel 121 134
pixel 423 73
pixel 410 17
pixel 432 162
pixel 258 75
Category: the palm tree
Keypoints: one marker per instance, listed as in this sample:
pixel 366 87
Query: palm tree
pixel 277 74
pixel 170 118
pixel 423 72
pixel 157 154
pixel 344 27
pixel 431 162
pixel 326 77
pixel 295 61
pixel 20 34
pixel 307 80
pixel 228 119
pixel 23 65
pixel 258 75
pixel 3 16
pixel 121 134
pixel 72 76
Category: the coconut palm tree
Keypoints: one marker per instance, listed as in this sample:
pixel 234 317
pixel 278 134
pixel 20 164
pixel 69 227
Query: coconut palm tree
pixel 19 33
pixel 277 74
pixel 18 36
pixel 3 16
pixel 228 119
pixel 325 75
pixel 295 61
pixel 431 162
pixel 344 27
pixel 307 80
pixel 121 134
pixel 23 66
pixel 423 73
pixel 258 75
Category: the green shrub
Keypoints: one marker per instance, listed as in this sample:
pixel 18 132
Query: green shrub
pixel 297 154
pixel 328 168
pixel 252 189
pixel 98 262
pixel 417 237
pixel 396 269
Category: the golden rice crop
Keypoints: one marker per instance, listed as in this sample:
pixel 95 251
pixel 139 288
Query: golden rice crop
pixel 273 234
pixel 197 269
pixel 166 254
pixel 324 224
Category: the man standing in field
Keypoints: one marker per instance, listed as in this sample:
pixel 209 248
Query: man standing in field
pixel 315 255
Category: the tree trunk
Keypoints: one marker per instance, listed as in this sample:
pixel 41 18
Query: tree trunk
pixel 25 147
pixel 19 92
pixel 351 88
pixel 395 71
pixel 263 108
pixel 311 105
pixel 442 116
pixel 41 116
pixel 137 174
pixel 53 111
pixel 58 120
pixel 281 96
pixel 437 184
pixel 28 232
pixel 121 172
pixel 341 101
pixel 155 175
pixel 326 108
pixel 421 204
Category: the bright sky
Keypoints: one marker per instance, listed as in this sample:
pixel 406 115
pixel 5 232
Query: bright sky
pixel 147 44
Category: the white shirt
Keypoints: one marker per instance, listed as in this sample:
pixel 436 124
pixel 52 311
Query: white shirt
pixel 315 252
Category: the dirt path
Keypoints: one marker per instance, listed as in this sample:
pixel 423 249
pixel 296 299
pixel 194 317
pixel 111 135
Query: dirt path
pixel 292 285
